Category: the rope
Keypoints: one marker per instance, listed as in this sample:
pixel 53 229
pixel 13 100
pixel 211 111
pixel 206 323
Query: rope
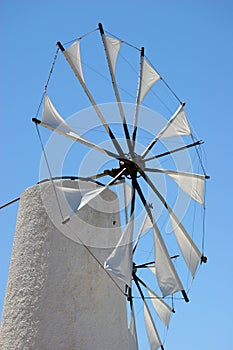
pixel 81 37
pixel 9 203
pixel 51 69
pixel 47 82
pixel 172 91
pixel 49 170
pixel 199 156
pixel 203 225
pixel 204 206
pixel 125 42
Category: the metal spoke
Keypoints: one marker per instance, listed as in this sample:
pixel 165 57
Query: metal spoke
pixel 115 88
pixel 76 139
pixel 197 143
pixel 135 126
pixel 95 106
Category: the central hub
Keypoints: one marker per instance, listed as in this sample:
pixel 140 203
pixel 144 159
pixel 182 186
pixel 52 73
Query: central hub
pixel 133 164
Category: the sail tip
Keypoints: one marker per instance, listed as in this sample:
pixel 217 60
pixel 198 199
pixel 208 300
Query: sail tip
pixel 101 28
pixel 36 121
pixel 203 259
pixel 185 296
pixel 60 46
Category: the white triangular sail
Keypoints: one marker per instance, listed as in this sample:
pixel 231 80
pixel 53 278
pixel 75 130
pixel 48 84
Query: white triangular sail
pixel 90 195
pixel 75 57
pixel 162 309
pixel 152 333
pixel 133 340
pixel 113 47
pixel 52 120
pixel 120 260
pixel 149 77
pixel 177 126
pixel 192 184
pixel 167 277
pixel 189 250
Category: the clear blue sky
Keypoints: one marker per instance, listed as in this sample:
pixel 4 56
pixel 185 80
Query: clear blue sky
pixel 192 43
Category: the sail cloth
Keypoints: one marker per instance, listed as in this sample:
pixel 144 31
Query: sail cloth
pixel 192 184
pixel 152 333
pixel 167 277
pixel 113 47
pixel 75 57
pixel 52 120
pixel 148 78
pixel 90 195
pixel 177 126
pixel 189 250
pixel 162 309
pixel 120 260
pixel 133 341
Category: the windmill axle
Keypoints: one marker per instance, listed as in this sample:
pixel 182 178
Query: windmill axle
pixel 133 164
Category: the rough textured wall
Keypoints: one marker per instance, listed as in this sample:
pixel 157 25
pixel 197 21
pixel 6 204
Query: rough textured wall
pixel 58 297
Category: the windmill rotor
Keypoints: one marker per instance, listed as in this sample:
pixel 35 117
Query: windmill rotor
pixel 128 151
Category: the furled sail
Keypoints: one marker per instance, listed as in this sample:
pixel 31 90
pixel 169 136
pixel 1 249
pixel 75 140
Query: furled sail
pixel 189 250
pixel 152 333
pixel 113 46
pixel 133 341
pixel 148 78
pixel 75 57
pixel 167 277
pixel 186 244
pixel 162 309
pixel 120 260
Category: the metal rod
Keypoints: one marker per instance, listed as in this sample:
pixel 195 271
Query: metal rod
pixel 141 195
pixel 175 150
pixel 135 127
pixel 95 106
pixel 115 88
pixel 76 139
pixel 9 203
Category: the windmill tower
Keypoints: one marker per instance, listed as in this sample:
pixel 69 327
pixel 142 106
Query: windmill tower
pixel 58 296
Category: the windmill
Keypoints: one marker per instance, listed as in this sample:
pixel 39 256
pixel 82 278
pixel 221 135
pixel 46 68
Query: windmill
pixel 134 142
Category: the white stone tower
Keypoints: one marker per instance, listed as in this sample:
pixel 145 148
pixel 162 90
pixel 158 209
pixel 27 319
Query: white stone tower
pixel 58 297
